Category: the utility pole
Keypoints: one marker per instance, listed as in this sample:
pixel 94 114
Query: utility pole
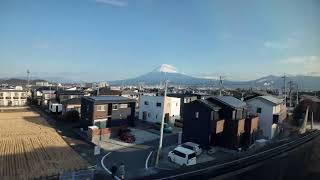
pixel 290 93
pixel 162 124
pixel 28 78
pixel 312 120
pixel 284 87
pixel 220 86
pixel 297 98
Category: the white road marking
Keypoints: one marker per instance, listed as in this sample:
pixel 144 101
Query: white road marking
pixel 104 167
pixel 147 160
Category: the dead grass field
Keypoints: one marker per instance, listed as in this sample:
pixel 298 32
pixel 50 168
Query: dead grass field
pixel 30 148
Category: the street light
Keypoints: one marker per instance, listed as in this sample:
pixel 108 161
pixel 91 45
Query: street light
pixel 162 124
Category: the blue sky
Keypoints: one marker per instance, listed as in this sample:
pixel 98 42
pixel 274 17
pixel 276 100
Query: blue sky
pixel 117 39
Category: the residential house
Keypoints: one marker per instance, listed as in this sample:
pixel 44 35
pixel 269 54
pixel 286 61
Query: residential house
pixel 202 124
pixel 107 111
pixel 13 97
pixel 47 95
pixel 234 112
pixel 71 104
pixel 63 95
pixel 54 106
pixel 106 91
pixel 270 110
pixel 151 108
pixel 184 99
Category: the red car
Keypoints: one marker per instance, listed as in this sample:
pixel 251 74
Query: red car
pixel 126 136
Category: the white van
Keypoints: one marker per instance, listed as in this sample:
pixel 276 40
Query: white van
pixel 192 146
pixel 182 156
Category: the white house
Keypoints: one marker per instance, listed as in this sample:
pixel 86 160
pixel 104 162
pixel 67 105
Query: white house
pixel 54 106
pixel 13 97
pixel 270 110
pixel 151 108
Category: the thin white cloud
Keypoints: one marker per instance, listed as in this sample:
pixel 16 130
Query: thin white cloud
pixel 119 3
pixel 286 44
pixel 308 65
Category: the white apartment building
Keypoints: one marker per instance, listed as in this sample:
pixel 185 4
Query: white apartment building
pixel 13 97
pixel 151 108
pixel 270 110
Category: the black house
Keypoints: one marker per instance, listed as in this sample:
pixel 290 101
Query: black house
pixel 234 112
pixel 202 124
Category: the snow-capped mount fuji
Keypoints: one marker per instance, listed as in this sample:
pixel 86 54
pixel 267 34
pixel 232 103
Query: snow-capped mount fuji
pixel 166 68
pixel 168 72
pixel 160 74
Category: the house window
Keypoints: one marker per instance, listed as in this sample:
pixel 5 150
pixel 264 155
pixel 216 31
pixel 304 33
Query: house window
pixel 114 106
pixel 123 105
pixel 156 116
pixel 158 104
pixel 148 114
pixel 101 108
pixel 197 115
pixel 212 116
pixel 259 110
pixel 146 103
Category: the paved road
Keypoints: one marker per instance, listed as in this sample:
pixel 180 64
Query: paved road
pixel 135 159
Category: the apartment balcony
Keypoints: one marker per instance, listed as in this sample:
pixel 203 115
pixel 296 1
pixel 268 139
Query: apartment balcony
pixel 8 97
pixel 15 97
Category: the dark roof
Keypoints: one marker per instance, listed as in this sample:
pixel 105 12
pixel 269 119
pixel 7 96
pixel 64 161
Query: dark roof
pixel 72 101
pixel 271 99
pixel 109 99
pixel 230 101
pixel 70 92
pixel 208 104
pixel 181 95
pixel 107 91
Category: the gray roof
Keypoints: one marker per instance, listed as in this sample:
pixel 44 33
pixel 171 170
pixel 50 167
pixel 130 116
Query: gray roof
pixel 109 98
pixel 272 99
pixel 231 101
pixel 209 104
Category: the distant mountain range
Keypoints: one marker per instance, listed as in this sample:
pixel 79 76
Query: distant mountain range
pixel 167 72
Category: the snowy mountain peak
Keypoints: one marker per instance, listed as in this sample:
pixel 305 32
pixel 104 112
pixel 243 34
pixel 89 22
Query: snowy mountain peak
pixel 166 68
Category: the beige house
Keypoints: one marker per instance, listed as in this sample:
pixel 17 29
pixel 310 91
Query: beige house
pixel 12 97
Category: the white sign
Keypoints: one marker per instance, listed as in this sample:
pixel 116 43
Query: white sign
pixel 97 150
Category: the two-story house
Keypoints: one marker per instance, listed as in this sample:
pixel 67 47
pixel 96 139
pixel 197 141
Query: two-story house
pixel 234 112
pixel 107 111
pixel 202 124
pixel 13 97
pixel 151 108
pixel 271 111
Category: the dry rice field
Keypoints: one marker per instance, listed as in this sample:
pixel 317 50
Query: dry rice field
pixel 30 148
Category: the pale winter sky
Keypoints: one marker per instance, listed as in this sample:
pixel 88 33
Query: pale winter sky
pixel 117 39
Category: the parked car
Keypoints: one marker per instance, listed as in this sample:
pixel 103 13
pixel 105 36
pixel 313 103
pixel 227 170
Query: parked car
pixel 166 127
pixel 182 156
pixel 192 146
pixel 126 136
